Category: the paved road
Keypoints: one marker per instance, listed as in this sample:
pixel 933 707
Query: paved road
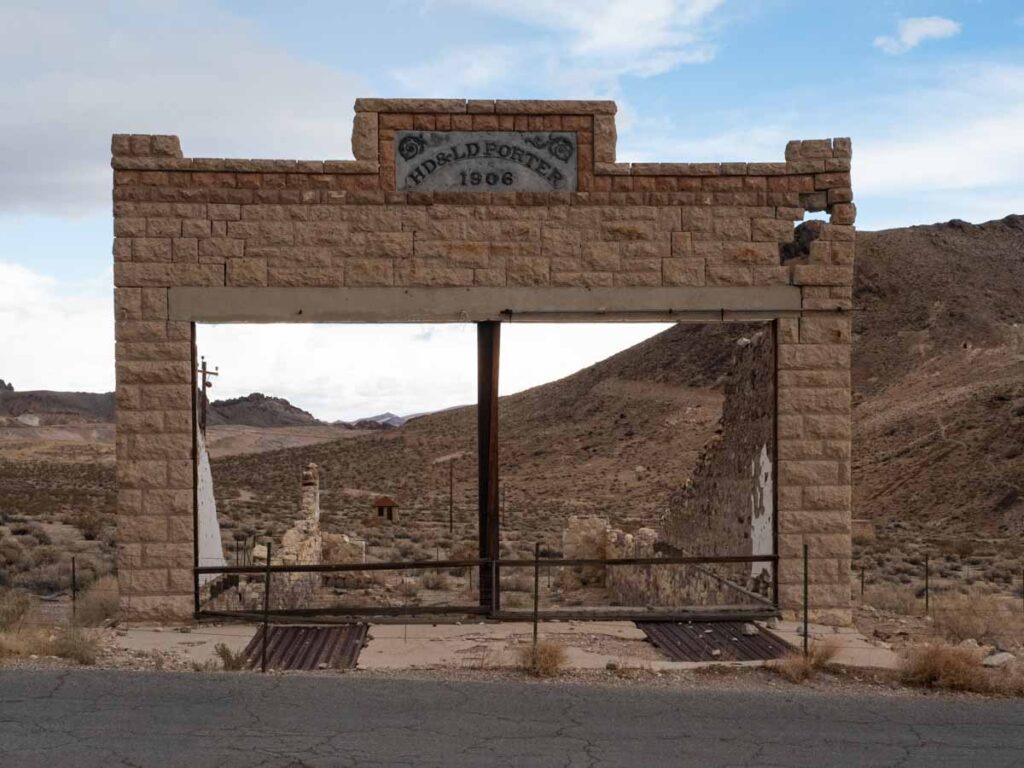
pixel 102 718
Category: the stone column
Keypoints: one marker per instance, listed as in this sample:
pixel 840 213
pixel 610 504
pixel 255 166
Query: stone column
pixel 154 456
pixel 814 463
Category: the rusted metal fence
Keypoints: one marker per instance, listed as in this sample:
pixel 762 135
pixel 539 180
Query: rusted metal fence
pixel 284 591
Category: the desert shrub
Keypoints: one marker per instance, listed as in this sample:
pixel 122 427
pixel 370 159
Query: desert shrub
pixel 465 550
pixel 90 523
pixel 14 604
pixel 797 668
pixel 45 576
pixel 75 646
pixel 547 659
pixel 516 600
pixel 893 598
pixel 517 583
pixel 409 587
pixel 407 550
pixel 979 617
pixel 31 530
pixel 230 661
pixel 435 580
pixel 947 667
pixel 98 603
pixel 24 643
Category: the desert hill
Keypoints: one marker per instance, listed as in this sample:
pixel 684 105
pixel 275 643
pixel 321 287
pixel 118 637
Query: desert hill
pixel 43 407
pixel 938 371
pixel 258 410
pixel 53 408
pixel 614 439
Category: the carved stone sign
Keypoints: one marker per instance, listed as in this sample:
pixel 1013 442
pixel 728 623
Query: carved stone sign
pixel 485 161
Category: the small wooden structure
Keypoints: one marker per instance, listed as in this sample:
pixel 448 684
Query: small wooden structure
pixel 386 507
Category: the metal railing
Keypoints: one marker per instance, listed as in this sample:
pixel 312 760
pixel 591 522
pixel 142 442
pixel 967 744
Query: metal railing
pixel 746 604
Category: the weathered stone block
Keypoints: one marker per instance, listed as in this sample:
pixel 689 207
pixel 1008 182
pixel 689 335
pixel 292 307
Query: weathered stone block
pixel 142 474
pixel 246 272
pixel 683 271
pixel 808 472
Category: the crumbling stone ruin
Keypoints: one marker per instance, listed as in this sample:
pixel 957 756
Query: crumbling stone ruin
pixel 728 505
pixel 302 544
pixel 392 236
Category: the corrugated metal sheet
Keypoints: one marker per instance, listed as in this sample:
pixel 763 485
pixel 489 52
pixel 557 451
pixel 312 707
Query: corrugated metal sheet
pixel 289 647
pixel 698 641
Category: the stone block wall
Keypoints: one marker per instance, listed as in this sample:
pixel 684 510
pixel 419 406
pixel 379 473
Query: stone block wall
pixel 181 221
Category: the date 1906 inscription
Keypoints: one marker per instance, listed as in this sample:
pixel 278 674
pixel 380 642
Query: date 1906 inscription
pixel 485 161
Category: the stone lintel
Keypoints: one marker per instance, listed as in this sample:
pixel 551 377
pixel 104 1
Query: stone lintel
pixel 477 304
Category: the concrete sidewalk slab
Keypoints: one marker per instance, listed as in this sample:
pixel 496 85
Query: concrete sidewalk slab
pixel 589 645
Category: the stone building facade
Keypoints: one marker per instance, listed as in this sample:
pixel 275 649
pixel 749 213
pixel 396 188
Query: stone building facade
pixel 205 239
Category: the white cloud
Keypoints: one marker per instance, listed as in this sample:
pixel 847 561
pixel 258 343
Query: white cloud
pixel 580 48
pixel 912 32
pixel 60 336
pixel 966 134
pixel 352 371
pixel 54 336
pixel 951 149
pixel 73 73
pixel 464 70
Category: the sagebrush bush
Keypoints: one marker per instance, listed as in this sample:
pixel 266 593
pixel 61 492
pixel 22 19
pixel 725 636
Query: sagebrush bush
pixel 14 604
pixel 984 618
pixel 947 667
pixel 797 668
pixel 435 580
pixel 90 523
pixel 100 602
pixel 75 646
pixel 230 661
pixel 547 659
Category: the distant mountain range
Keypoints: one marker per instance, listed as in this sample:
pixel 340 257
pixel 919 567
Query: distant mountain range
pixel 43 407
pixel 386 420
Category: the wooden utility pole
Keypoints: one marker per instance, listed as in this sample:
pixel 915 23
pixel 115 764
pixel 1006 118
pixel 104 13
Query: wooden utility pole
pixel 205 384
pixel 488 336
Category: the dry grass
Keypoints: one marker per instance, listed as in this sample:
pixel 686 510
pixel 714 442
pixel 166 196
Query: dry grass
pixel 230 661
pixel 409 587
pixel 950 668
pixel 798 668
pixel 14 604
pixel 945 666
pixel 72 645
pixel 75 646
pixel 546 660
pixel 485 657
pixel 897 598
pixel 99 603
pixel 437 580
pixel 986 619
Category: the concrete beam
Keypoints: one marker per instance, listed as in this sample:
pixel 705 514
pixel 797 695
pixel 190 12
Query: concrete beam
pixel 472 305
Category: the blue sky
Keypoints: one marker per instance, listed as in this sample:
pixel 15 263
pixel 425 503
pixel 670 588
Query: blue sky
pixel 931 92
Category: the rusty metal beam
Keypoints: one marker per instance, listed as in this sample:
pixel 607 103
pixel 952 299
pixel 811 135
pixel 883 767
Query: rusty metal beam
pixel 488 336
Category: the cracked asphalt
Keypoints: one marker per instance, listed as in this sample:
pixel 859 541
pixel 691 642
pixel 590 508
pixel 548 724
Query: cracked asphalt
pixel 112 718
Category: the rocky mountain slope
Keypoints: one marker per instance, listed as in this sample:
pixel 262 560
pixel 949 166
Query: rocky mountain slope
pixel 612 439
pixel 43 407
pixel 258 410
pixel 938 371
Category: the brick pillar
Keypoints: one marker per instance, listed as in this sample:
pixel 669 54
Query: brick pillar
pixel 154 456
pixel 814 463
